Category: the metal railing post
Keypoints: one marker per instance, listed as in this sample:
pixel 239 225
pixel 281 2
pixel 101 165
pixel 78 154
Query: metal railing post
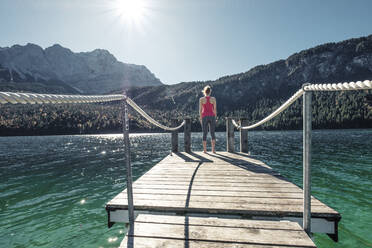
pixel 127 162
pixel 243 135
pixel 229 135
pixel 187 135
pixel 174 137
pixel 307 119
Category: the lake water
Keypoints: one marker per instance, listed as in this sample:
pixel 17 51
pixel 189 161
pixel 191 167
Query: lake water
pixel 53 189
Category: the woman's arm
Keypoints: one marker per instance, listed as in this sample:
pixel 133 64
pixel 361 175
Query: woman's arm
pixel 215 106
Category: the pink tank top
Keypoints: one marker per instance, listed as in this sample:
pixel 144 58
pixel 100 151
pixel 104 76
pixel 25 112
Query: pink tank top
pixel 207 108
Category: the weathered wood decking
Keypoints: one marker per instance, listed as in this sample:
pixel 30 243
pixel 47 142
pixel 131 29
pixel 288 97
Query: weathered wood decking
pixel 228 185
pixel 193 232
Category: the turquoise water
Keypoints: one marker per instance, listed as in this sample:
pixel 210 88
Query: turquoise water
pixel 53 188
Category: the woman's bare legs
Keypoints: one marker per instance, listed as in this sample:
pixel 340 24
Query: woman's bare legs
pixel 213 145
pixel 205 146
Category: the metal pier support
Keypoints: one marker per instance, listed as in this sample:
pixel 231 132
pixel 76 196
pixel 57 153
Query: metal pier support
pixel 307 119
pixel 128 165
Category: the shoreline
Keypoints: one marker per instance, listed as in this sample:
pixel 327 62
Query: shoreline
pixel 159 132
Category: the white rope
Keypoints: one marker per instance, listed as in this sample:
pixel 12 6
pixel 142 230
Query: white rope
pixel 365 85
pixel 284 106
pixel 32 98
pixel 236 124
pixel 150 119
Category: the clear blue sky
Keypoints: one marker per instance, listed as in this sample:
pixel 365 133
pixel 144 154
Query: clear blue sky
pixel 186 40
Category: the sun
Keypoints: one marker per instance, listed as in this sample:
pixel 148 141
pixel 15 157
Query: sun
pixel 131 16
pixel 132 11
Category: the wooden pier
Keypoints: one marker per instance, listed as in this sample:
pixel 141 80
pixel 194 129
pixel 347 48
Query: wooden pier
pixel 227 186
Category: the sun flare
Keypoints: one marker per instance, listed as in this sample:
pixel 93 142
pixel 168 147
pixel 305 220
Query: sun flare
pixel 131 10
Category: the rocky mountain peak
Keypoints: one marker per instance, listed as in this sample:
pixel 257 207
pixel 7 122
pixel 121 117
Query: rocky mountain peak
pixel 95 72
pixel 56 48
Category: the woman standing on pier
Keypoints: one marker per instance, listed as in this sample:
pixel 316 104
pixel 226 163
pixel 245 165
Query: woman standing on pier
pixel 208 113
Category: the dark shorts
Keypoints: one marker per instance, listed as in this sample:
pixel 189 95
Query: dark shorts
pixel 211 121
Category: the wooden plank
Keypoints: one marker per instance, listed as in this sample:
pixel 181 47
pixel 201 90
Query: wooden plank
pixel 140 242
pixel 251 179
pixel 213 170
pixel 216 167
pixel 222 207
pixel 203 170
pixel 215 160
pixel 213 165
pixel 209 166
pixel 212 191
pixel 263 187
pixel 221 199
pixel 206 158
pixel 220 157
pixel 213 173
pixel 148 218
pixel 212 162
pixel 217 233
pixel 221 177
pixel 211 231
pixel 298 195
pixel 246 184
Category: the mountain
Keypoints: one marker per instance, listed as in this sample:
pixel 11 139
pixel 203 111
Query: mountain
pixel 95 72
pixel 257 92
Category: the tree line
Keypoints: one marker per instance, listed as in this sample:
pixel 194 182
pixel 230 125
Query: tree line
pixel 331 110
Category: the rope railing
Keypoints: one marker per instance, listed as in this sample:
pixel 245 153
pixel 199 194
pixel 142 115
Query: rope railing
pixel 33 98
pixel 283 107
pixel 150 119
pixel 365 85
